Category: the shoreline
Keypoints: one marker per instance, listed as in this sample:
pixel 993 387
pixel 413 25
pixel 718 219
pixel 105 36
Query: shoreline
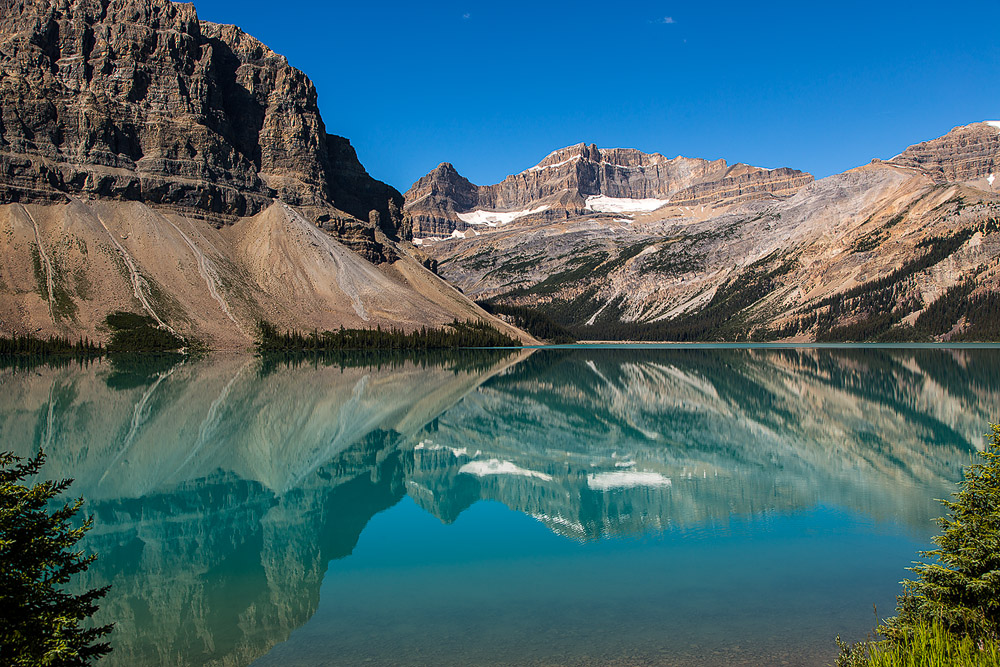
pixel 767 345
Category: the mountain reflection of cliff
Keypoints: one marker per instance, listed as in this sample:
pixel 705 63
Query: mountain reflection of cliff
pixel 222 487
pixel 622 441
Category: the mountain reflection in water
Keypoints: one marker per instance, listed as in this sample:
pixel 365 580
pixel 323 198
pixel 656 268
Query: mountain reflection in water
pixel 223 486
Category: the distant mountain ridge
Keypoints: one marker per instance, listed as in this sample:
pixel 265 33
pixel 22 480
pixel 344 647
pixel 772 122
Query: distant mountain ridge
pixel 900 249
pixel 569 181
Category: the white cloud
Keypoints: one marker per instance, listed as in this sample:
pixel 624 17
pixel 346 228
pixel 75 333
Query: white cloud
pixel 466 16
pixel 668 20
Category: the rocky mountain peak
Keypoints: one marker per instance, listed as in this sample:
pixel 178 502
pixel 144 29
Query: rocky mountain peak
pixel 576 151
pixel 441 194
pixel 445 172
pixel 139 100
pixel 565 182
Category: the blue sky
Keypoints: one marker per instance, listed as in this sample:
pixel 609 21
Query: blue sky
pixel 494 87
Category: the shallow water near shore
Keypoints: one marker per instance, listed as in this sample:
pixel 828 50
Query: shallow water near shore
pixel 614 505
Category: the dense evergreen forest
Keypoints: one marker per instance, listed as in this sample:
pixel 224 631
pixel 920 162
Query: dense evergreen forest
pixel 130 333
pixel 871 312
pixel 32 346
pixel 139 333
pixel 532 320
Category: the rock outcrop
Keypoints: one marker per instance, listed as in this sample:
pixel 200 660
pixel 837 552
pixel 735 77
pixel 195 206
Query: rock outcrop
pixel 967 153
pixel 559 187
pixel 139 100
pixel 434 201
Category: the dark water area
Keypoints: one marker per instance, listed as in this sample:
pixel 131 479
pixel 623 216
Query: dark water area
pixel 618 506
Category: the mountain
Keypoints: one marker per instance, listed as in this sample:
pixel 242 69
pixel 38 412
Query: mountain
pixel 900 249
pixel 583 179
pixel 152 162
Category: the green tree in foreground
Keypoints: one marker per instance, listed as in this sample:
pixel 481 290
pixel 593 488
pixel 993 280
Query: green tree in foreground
pixel 950 614
pixel 962 590
pixel 40 623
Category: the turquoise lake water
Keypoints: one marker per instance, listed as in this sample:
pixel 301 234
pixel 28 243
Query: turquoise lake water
pixel 613 506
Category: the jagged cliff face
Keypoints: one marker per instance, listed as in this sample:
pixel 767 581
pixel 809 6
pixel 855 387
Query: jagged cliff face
pixel 572 181
pixel 139 100
pixel 856 256
pixel 154 163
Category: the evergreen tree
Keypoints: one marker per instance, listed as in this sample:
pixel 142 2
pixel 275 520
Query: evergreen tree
pixel 40 622
pixel 962 590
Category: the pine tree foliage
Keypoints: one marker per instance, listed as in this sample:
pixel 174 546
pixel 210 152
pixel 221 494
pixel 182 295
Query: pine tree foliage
pixel 962 589
pixel 139 333
pixel 40 621
pixel 532 320
pixel 29 345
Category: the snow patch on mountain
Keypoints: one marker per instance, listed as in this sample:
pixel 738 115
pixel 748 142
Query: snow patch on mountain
pixel 495 218
pixel 554 166
pixel 605 204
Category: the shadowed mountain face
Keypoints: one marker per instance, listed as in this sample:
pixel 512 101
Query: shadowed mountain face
pixel 140 100
pixel 223 487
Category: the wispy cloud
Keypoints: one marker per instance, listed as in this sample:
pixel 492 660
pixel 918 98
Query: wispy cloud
pixel 667 20
pixel 466 16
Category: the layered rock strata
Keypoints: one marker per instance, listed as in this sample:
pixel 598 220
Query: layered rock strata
pixel 560 185
pixel 967 153
pixel 139 100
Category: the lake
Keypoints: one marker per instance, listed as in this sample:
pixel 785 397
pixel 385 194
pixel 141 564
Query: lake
pixel 612 506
